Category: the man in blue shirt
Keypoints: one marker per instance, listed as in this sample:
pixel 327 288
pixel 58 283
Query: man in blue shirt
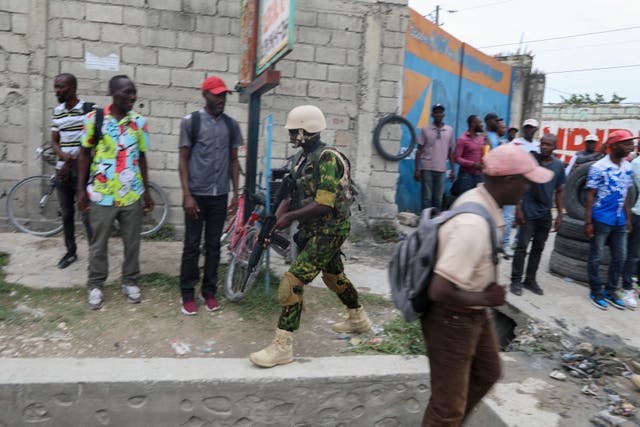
pixel 607 216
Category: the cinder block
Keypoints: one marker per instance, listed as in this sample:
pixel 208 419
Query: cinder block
pixel 17 114
pixel 165 4
pixel 315 36
pixel 397 21
pixel 162 38
pixel 159 125
pixel 391 73
pixel 14 134
pixel 66 9
pixel 338 122
pixel 388 89
pixel 19 63
pixel 343 74
pixel 340 22
pixel 16 6
pixel 104 13
pixel 345 39
pixel 331 55
pixel 3 63
pixel 210 61
pixel 174 58
pixel 311 71
pixel 12 171
pixel 343 138
pixel 153 75
pixel 234 64
pixel 192 41
pixel 226 44
pixel 287 68
pixel 353 58
pixel 186 78
pixel 392 39
pixel 156 160
pixel 388 105
pixel 306 18
pixel 78 69
pixel 80 30
pixel 66 48
pixel 302 52
pixel 138 55
pixel 392 56
pixel 200 7
pixel 294 87
pixel 328 90
pixel 234 26
pixel 5 21
pixel 213 25
pixel 120 34
pixel 230 8
pixel 167 109
pixel 177 21
pixel 141 17
pixel 132 3
pixel 101 49
pixel 172 162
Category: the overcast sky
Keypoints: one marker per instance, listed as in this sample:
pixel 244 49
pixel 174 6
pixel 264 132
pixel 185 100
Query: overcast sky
pixel 483 23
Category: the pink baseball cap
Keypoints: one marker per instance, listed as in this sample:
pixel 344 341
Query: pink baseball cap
pixel 214 85
pixel 512 160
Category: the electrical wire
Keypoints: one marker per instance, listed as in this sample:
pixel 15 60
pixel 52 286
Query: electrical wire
pixel 563 37
pixel 483 5
pixel 592 69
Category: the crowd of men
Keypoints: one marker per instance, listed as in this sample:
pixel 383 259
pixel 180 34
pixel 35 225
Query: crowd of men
pixel 103 166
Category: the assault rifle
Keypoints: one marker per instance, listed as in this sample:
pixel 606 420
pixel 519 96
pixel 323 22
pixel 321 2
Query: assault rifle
pixel 268 226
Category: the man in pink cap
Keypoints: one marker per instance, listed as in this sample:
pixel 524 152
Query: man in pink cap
pixel 209 141
pixel 461 343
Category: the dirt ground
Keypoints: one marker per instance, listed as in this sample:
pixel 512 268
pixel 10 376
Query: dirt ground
pixel 57 322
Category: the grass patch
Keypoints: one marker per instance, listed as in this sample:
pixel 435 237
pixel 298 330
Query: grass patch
pixel 398 337
pixel 384 231
pixel 166 233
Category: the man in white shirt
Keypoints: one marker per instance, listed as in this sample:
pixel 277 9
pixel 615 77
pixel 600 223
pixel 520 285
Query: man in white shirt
pixel 526 142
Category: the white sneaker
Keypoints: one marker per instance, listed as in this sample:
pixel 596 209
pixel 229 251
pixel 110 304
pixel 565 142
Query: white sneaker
pixel 629 298
pixel 133 293
pixel 508 252
pixel 95 299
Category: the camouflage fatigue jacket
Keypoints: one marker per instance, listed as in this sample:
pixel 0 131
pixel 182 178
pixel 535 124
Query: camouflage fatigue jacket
pixel 319 181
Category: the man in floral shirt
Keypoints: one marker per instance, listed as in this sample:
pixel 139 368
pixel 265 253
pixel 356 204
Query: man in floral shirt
pixel 117 180
pixel 607 217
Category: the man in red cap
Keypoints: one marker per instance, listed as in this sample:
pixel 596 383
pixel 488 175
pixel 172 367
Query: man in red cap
pixel 461 343
pixel 209 141
pixel 607 219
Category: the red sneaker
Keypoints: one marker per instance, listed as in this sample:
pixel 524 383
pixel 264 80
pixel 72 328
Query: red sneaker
pixel 211 304
pixel 190 308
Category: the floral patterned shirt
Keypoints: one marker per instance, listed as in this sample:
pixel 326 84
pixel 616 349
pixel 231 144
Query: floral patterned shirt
pixel 115 177
pixel 611 182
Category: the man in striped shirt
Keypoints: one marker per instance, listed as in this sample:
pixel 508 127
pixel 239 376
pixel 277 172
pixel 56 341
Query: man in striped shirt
pixel 66 130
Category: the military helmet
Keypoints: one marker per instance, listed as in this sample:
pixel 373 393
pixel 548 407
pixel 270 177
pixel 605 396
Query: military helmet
pixel 307 117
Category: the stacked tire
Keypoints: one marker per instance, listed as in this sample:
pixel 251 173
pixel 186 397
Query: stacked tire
pixel 571 248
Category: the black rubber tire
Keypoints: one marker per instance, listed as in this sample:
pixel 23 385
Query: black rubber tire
pixel 573 229
pixel 578 250
pixel 574 269
pixel 393 119
pixel 575 194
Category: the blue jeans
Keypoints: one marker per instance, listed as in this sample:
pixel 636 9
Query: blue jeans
pixel 468 181
pixel 616 237
pixel 509 214
pixel 633 253
pixel 432 189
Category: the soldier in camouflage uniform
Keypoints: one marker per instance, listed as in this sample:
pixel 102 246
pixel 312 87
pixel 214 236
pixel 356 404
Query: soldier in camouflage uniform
pixel 321 206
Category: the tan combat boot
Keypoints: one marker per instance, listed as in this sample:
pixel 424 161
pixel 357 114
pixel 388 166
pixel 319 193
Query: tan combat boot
pixel 357 323
pixel 279 352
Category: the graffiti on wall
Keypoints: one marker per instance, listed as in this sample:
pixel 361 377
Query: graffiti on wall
pixel 571 134
pixel 440 69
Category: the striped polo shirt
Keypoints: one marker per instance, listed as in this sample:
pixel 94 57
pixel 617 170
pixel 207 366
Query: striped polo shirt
pixel 68 123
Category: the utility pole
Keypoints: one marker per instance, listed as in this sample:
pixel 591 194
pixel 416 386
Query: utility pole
pixel 434 15
pixel 438 15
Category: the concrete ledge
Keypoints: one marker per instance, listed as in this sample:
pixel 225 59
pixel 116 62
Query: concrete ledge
pixel 353 391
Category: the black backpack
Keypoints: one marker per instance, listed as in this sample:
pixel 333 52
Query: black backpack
pixel 414 259
pixel 194 130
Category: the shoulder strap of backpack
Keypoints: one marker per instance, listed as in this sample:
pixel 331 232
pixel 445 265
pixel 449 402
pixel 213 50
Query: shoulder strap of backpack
pixel 477 209
pixel 87 107
pixel 97 128
pixel 231 129
pixel 194 129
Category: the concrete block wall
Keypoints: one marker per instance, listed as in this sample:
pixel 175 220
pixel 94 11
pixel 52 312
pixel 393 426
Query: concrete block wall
pixel 347 59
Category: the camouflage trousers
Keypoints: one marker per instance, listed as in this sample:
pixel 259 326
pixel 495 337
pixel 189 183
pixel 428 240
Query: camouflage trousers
pixel 319 252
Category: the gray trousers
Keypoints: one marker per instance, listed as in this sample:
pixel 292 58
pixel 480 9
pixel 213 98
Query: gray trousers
pixel 130 220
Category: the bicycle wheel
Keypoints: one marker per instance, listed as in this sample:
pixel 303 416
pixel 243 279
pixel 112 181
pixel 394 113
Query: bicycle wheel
pixel 239 279
pixel 393 139
pixel 154 220
pixel 32 206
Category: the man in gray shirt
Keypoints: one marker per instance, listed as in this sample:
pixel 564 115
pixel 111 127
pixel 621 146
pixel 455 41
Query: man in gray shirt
pixel 209 141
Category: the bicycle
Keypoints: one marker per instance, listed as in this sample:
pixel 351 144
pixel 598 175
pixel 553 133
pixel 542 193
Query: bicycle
pixel 33 207
pixel 243 237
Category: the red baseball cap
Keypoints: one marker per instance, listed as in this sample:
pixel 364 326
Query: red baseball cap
pixel 512 160
pixel 214 85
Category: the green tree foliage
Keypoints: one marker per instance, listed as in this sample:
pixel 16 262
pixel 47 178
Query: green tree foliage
pixel 586 99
